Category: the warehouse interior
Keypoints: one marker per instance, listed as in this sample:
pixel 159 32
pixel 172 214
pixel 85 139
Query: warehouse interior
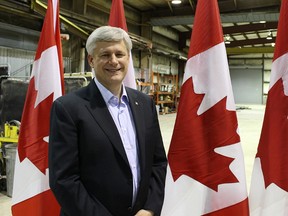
pixel 160 32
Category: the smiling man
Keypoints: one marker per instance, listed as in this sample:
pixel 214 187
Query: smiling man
pixel 106 154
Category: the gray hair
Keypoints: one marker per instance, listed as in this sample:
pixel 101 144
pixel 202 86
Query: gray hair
pixel 107 34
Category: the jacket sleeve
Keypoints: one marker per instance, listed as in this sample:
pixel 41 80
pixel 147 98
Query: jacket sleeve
pixel 155 196
pixel 64 176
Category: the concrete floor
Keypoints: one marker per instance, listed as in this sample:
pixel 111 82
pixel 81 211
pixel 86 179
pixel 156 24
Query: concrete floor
pixel 250 119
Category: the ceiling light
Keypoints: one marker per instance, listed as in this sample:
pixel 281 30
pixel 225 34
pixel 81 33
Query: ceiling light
pixel 227 39
pixel 269 36
pixel 176 1
pixel 272 44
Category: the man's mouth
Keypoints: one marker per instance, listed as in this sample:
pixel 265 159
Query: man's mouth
pixel 113 70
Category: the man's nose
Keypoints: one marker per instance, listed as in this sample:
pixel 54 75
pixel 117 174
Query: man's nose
pixel 113 59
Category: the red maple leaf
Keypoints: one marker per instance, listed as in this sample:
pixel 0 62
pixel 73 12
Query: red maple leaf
pixel 273 144
pixel 192 148
pixel 35 125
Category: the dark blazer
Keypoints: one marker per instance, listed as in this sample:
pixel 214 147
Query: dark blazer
pixel 89 170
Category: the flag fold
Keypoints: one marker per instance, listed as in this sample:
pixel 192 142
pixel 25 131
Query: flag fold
pixel 31 192
pixel 206 174
pixel 269 185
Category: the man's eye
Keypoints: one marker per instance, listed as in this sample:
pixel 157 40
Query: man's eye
pixel 104 55
pixel 119 55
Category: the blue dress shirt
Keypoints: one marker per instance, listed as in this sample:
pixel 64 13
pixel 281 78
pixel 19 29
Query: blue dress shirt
pixel 123 119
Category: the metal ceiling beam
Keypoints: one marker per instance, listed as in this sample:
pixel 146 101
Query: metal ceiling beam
pixel 225 18
pixel 240 29
pixel 100 7
pixel 70 26
pixel 159 48
pixel 225 6
pixel 149 4
pixel 106 9
pixel 76 24
pixel 23 11
pixel 250 27
pixel 249 50
pixel 241 43
pixel 242 50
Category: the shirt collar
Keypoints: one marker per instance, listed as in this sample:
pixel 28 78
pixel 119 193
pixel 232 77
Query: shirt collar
pixel 107 95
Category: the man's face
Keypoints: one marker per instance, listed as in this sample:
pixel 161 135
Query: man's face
pixel 110 62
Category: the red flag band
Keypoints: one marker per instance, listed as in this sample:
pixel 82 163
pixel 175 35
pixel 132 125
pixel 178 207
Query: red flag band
pixel 31 193
pixel 117 19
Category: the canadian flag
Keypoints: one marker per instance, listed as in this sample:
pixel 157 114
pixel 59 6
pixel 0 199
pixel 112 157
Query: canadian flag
pixel 269 186
pixel 117 19
pixel 31 193
pixel 206 174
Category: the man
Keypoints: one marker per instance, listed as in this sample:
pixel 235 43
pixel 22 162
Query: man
pixel 106 154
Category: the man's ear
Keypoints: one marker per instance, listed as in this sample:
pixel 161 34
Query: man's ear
pixel 90 60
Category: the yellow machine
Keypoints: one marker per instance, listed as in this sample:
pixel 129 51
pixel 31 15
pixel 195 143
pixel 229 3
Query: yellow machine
pixel 10 133
pixel 8 136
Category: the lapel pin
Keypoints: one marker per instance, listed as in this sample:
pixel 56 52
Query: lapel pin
pixel 136 103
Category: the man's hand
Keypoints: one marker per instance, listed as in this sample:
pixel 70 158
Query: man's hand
pixel 143 212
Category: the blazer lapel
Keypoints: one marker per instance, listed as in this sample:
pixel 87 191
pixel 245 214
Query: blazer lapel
pixel 102 116
pixel 137 108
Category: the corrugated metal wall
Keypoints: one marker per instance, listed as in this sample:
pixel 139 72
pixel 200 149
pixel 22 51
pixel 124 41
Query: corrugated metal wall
pixel 20 61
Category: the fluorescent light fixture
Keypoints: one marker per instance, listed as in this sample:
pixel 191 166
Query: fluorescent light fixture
pixel 269 36
pixel 227 39
pixel 176 1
